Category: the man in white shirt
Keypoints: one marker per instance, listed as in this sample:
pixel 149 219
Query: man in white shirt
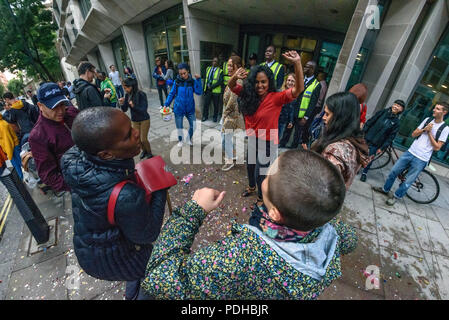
pixel 114 75
pixel 420 152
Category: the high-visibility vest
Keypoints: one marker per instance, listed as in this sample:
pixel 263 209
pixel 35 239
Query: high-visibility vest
pixel 275 67
pixel 226 76
pixel 305 101
pixel 216 77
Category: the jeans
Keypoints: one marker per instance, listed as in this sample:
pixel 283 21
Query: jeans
pixel 120 91
pixel 17 162
pixel 179 118
pixel 415 167
pixel 228 144
pixel 159 91
pixel 282 126
pixel 132 290
pixel 260 154
pixel 372 151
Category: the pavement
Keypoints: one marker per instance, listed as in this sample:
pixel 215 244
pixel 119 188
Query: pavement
pixel 405 247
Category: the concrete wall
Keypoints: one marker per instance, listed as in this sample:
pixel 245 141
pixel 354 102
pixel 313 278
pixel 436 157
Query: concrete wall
pixel 351 46
pixel 395 38
pixel 135 42
pixel 421 52
pixel 202 26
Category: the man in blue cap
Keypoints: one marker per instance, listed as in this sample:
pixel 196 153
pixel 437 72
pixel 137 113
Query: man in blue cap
pixel 51 136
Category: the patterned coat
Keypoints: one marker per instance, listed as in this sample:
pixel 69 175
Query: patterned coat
pixel 240 266
pixel 232 118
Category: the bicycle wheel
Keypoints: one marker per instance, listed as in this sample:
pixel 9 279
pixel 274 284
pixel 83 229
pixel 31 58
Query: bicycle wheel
pixel 425 189
pixel 381 160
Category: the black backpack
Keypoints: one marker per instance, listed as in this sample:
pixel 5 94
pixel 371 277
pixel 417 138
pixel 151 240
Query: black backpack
pixel 440 129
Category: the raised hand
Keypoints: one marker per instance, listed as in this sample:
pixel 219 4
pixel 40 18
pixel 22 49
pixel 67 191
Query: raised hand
pixel 292 56
pixel 241 74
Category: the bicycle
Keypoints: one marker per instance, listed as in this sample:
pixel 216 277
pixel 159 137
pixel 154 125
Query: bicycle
pixel 424 190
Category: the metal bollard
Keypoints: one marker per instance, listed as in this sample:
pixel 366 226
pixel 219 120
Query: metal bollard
pixel 25 204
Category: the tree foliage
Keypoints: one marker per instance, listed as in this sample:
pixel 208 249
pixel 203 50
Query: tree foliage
pixel 27 39
pixel 16 86
pixel 2 90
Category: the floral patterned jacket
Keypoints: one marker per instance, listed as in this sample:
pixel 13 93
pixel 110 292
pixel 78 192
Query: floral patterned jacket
pixel 240 266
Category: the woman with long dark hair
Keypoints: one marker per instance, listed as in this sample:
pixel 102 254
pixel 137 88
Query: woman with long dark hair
pixel 342 141
pixel 261 105
pixel 136 101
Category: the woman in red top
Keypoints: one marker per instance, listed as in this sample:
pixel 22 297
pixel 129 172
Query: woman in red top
pixel 261 105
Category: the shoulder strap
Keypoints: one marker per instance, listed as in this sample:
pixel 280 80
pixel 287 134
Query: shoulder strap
pixel 113 200
pixel 440 130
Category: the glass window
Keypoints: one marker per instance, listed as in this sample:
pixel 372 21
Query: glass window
pixel 120 54
pixel 159 44
pixel 85 6
pixel 328 58
pixel 433 87
pixel 177 40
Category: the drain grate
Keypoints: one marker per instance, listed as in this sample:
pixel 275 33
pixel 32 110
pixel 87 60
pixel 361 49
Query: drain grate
pixel 34 248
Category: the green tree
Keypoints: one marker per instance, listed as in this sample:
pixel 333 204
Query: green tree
pixel 16 86
pixel 2 90
pixel 27 39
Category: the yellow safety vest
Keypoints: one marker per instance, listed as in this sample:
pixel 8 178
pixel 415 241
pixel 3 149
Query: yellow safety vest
pixel 226 76
pixel 215 79
pixel 305 101
pixel 275 67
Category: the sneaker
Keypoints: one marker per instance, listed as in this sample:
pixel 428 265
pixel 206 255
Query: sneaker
pixel 380 190
pixel 363 177
pixel 228 165
pixel 190 143
pixel 391 201
pixel 180 144
pixel 161 107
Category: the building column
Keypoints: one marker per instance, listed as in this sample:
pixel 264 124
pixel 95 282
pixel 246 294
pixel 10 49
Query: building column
pixel 107 54
pixel 421 52
pixel 395 38
pixel 351 46
pixel 93 59
pixel 135 42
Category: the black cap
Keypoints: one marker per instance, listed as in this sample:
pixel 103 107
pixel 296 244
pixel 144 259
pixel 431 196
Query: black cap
pixel 400 102
pixel 252 56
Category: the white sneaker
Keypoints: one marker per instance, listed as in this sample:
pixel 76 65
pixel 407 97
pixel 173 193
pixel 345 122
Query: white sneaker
pixel 229 164
pixel 161 107
pixel 180 144
pixel 190 143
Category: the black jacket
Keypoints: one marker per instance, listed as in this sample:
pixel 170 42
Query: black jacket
pixel 87 95
pixel 25 118
pixel 140 110
pixel 115 253
pixel 381 129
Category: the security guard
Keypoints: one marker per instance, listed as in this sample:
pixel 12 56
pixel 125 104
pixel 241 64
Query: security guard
pixel 304 114
pixel 212 89
pixel 276 67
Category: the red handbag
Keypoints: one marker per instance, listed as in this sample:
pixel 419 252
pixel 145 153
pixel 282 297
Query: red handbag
pixel 151 175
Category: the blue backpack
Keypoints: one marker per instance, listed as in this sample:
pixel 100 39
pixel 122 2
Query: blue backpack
pixel 316 127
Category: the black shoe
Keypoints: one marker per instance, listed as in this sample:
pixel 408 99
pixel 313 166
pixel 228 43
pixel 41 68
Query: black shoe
pixel 363 177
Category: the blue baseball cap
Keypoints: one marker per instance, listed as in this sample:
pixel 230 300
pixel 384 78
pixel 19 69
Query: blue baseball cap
pixel 50 95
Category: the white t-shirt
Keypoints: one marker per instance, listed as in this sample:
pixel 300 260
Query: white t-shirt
pixel 422 147
pixel 115 78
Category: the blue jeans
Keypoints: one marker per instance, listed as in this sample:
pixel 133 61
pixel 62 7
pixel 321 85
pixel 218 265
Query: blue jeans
pixel 179 124
pixel 17 162
pixel 120 91
pixel 415 167
pixel 228 145
pixel 281 129
pixel 372 151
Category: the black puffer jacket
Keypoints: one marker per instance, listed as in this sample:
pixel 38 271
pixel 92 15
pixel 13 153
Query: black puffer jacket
pixel 87 95
pixel 116 253
pixel 25 117
pixel 381 129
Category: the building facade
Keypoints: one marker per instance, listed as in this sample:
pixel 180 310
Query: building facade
pixel 398 48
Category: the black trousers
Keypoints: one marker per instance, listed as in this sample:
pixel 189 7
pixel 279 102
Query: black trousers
pixel 159 91
pixel 260 154
pixel 215 97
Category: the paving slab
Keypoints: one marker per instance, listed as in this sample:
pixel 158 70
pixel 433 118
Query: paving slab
pixel 397 233
pixel 442 276
pixel 116 293
pixel 359 212
pixel 43 281
pixel 380 202
pixel 424 211
pixel 406 277
pixel 431 235
pixel 361 188
pixel 443 216
pixel 339 290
